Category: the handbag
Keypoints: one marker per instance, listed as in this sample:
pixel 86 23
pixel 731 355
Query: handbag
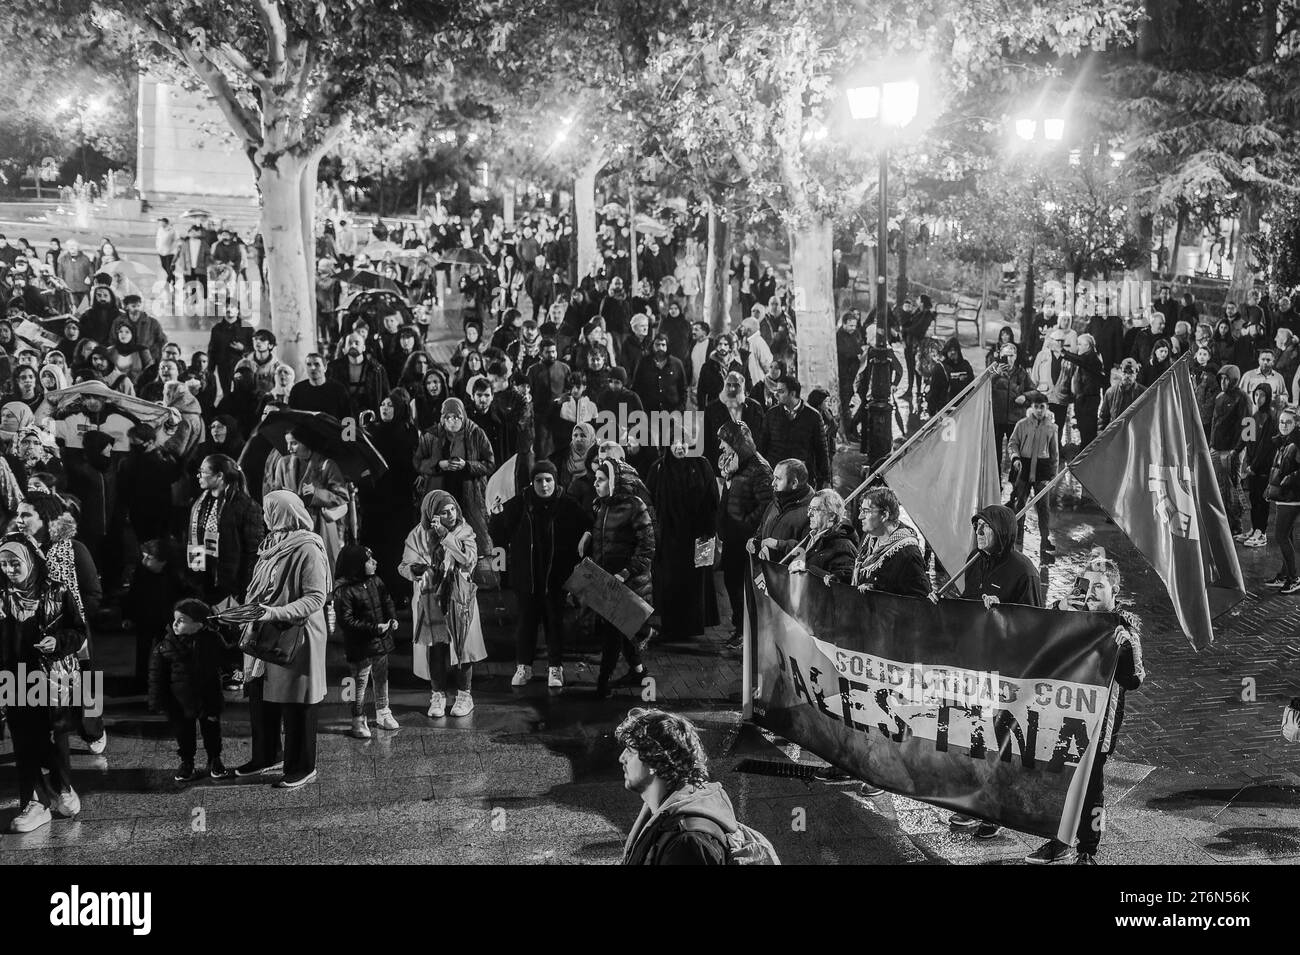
pixel 1291 721
pixel 64 677
pixel 275 641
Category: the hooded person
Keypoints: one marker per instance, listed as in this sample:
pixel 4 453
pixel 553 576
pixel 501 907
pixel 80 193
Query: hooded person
pixel 622 543
pixel 746 494
pixel 684 818
pixel 1000 574
pixel 1257 459
pixel 456 456
pixel 731 405
pixel 684 492
pixel 951 375
pixel 14 417
pixel 40 629
pixel 291 584
pixel 241 401
pixel 184 432
pixel 53 378
pixel 126 355
pixel 439 559
pixel 541 529
pixel 574 464
pixel 317 480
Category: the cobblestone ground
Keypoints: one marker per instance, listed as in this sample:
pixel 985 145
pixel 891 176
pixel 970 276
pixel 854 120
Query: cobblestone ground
pixel 1201 774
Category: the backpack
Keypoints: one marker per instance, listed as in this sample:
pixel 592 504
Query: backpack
pixel 746 846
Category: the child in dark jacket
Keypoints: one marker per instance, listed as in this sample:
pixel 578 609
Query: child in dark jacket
pixel 185 683
pixel 365 614
pixel 156 586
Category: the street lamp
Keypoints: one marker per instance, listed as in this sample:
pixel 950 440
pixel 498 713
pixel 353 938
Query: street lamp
pixel 893 104
pixel 1045 131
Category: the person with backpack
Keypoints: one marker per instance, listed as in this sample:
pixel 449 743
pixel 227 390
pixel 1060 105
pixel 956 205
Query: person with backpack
pixel 684 818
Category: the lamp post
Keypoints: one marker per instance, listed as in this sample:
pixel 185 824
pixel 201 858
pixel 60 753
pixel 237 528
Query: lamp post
pixel 893 105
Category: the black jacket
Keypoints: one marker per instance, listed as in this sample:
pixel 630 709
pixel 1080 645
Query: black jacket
pixel 786 520
pixel 834 553
pixel 801 435
pixel 360 606
pixel 1006 573
pixel 746 497
pixel 623 538
pixel 541 538
pixel 185 673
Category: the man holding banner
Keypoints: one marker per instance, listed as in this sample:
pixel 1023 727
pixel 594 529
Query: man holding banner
pixel 1102 581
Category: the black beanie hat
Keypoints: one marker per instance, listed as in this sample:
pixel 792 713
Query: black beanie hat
pixel 544 467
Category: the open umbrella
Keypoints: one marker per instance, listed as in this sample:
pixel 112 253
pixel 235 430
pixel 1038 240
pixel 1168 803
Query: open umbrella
pixel 648 226
pixel 612 210
pixel 378 249
pixel 196 214
pixel 463 257
pixel 370 279
pixel 345 444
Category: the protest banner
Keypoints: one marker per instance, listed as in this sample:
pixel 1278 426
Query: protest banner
pixel 609 597
pixel 991 713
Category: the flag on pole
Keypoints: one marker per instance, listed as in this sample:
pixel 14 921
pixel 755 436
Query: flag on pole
pixel 1151 472
pixel 501 485
pixel 949 473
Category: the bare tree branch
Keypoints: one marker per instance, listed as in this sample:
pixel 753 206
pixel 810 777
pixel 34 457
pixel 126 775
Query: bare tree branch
pixel 242 63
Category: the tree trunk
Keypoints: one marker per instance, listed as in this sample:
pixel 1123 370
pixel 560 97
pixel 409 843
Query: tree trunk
pixel 584 226
pixel 632 262
pixel 810 259
pixel 1179 224
pixel 1243 260
pixel 715 272
pixel 288 258
pixel 508 206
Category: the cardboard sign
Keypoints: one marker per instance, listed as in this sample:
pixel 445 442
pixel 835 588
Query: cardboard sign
pixel 603 593
pixel 706 551
pixel 501 486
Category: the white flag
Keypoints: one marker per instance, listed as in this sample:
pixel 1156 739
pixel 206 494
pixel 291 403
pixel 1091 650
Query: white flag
pixel 501 486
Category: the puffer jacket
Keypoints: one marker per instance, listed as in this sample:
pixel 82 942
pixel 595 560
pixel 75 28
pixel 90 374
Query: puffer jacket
pixel 1205 382
pixel 834 553
pixel 185 673
pixel 623 538
pixel 1284 476
pixel 541 537
pixel 1006 389
pixel 360 606
pixel 746 495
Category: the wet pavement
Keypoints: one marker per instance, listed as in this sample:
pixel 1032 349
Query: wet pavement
pixel 1201 774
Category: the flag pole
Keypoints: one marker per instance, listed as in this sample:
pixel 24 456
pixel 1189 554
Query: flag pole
pixel 893 457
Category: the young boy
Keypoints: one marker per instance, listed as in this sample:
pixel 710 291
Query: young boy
pixel 185 683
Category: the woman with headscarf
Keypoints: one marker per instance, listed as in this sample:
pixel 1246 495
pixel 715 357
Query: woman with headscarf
pixel 573 463
pixel 621 543
pixel 242 400
pixel 106 371
pixel 15 415
pixel 473 342
pixel 685 495
pixel 53 378
pixel 290 583
pixel 386 503
pixel 40 630
pixel 308 473
pixel 224 437
pixel 427 403
pixel 35 451
pixel 470 368
pixel 8 342
pixel 456 456
pixel 126 355
pixel 278 396
pixel 439 558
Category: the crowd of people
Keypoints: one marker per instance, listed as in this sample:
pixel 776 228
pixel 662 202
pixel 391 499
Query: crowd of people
pixel 127 488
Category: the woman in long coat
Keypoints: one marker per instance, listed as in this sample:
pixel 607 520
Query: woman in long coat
pixel 685 494
pixel 320 484
pixel 439 559
pixel 291 583
pixel 456 456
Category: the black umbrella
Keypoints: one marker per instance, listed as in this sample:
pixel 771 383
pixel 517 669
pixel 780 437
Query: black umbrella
pixel 464 257
pixel 369 279
pixel 343 443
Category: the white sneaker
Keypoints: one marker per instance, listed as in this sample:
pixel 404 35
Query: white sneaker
pixel 359 727
pixel 555 677
pixel 1258 539
pixel 67 804
pixel 1243 536
pixel 99 745
pixel 384 719
pixel 33 816
pixel 437 705
pixel 522 675
pixel 464 703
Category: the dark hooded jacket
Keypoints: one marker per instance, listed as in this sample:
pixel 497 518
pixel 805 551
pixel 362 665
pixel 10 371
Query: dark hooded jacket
pixel 1230 408
pixel 1259 451
pixel 623 537
pixel 834 553
pixel 950 376
pixel 1006 573
pixel 689 829
pixel 786 520
pixel 1284 475
pixel 361 604
pixel 541 537
pixel 749 491
pixel 185 673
